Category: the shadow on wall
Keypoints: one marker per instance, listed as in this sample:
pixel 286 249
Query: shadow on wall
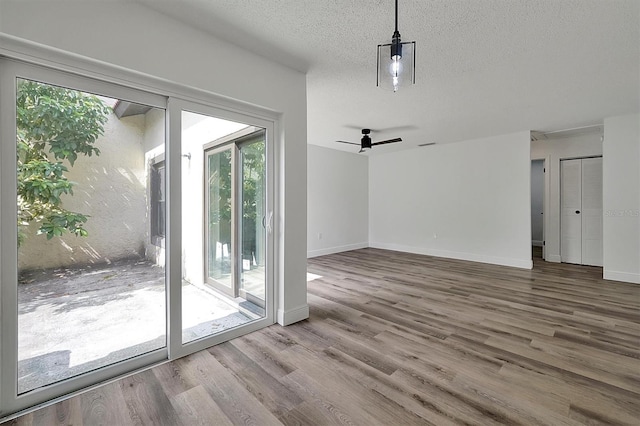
pixel 112 190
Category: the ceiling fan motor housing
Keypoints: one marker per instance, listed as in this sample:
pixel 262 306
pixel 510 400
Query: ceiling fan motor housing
pixel 365 142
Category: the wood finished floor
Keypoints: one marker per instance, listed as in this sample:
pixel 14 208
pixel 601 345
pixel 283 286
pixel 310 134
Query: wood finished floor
pixel 401 339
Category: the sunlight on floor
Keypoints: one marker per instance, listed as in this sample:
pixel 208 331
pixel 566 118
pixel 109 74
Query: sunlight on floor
pixel 311 277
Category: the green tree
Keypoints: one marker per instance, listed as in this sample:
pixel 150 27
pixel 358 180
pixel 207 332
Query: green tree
pixel 220 184
pixel 54 124
pixel 253 160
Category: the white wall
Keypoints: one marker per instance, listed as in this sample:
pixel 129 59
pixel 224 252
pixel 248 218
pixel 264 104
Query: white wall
pixel 554 150
pixel 621 198
pixel 537 201
pixel 337 201
pixel 134 37
pixel 467 200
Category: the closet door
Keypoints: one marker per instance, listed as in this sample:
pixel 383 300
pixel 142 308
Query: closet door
pixel 581 211
pixel 592 211
pixel 571 210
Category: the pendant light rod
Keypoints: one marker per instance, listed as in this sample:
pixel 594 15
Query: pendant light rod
pixel 396 44
pixel 397 18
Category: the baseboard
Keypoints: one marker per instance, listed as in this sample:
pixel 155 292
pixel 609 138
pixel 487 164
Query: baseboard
pixel 536 243
pixel 293 315
pixel 555 258
pixel 627 277
pixel 471 257
pixel 338 249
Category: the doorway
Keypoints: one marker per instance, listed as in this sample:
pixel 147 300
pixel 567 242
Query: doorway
pixel 537 207
pixel 235 214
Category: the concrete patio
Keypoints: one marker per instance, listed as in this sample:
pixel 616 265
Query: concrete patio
pixel 71 321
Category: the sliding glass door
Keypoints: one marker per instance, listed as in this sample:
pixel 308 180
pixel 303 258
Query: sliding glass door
pixel 90 290
pixel 83 293
pixel 134 227
pixel 218 206
pixel 255 219
pixel 224 199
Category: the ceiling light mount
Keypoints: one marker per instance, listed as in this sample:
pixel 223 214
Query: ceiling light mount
pixel 396 63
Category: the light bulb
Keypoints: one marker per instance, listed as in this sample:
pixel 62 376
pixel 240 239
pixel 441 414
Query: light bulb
pixel 396 70
pixel 396 66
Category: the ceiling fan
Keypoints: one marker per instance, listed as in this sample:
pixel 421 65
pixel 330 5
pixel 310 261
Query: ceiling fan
pixel 365 142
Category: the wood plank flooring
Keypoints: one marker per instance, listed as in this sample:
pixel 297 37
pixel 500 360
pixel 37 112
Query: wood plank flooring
pixel 401 339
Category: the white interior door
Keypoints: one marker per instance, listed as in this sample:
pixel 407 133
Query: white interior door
pixel 581 215
pixel 592 211
pixel 571 206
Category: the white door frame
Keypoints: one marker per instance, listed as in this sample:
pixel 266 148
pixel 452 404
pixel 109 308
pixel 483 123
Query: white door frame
pixel 9 399
pixel 176 348
pixel 546 162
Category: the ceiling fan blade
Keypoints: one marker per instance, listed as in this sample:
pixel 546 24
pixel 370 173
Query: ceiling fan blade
pixel 350 143
pixel 387 141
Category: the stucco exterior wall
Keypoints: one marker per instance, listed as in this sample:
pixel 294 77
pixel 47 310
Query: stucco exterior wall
pixel 111 190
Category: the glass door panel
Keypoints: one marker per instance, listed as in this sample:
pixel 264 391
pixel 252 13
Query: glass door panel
pixel 218 202
pixel 254 218
pixel 212 215
pixel 90 262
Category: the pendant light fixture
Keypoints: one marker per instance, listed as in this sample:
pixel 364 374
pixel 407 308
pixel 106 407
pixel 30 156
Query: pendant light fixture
pixel 396 62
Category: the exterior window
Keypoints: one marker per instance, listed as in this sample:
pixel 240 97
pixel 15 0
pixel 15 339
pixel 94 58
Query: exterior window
pixel 157 203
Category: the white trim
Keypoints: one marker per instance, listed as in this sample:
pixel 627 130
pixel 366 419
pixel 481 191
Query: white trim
pixel 627 277
pixel 337 249
pixel 471 257
pixel 546 203
pixel 293 315
pixel 61 60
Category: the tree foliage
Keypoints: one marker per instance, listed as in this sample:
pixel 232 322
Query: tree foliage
pixel 220 184
pixel 253 161
pixel 54 124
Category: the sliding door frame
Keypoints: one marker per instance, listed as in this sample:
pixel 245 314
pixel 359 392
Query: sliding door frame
pixel 93 76
pixel 178 349
pixel 11 71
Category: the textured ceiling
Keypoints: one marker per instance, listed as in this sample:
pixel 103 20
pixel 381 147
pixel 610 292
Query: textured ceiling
pixel 483 67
